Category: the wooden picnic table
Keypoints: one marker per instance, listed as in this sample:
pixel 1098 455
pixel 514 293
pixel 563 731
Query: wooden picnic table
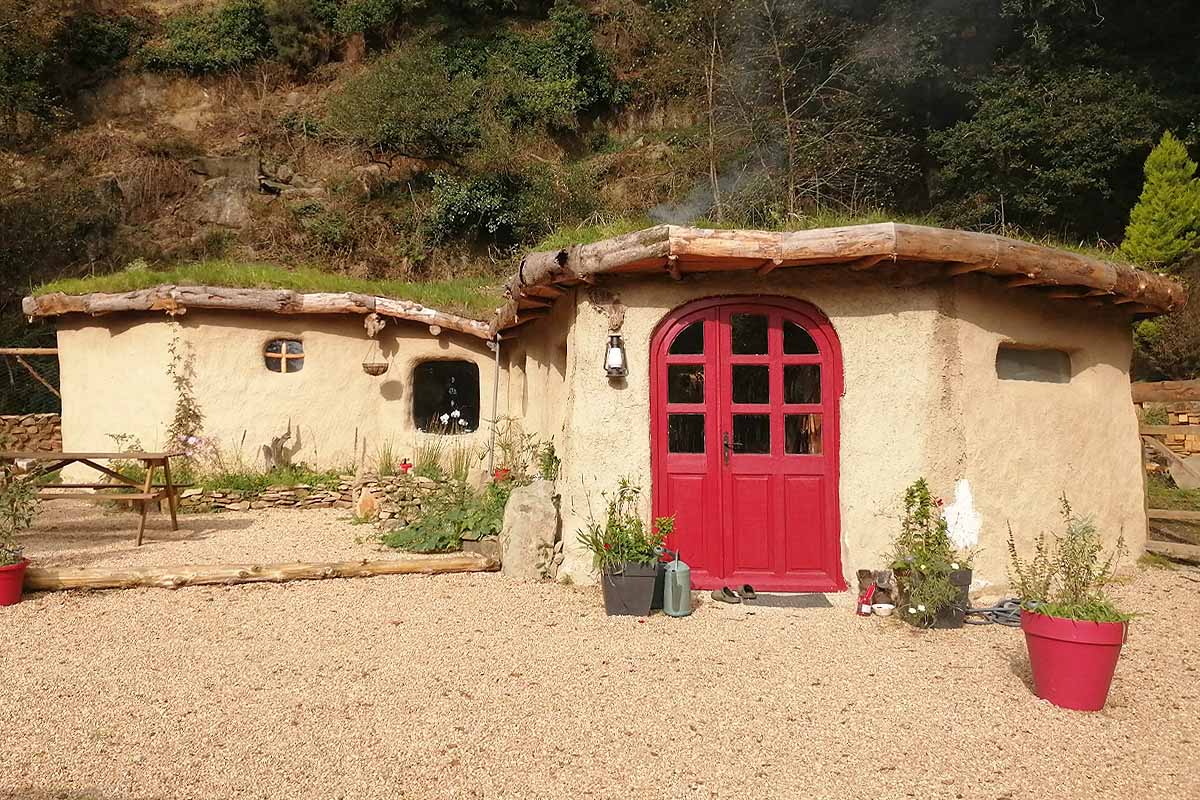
pixel 144 493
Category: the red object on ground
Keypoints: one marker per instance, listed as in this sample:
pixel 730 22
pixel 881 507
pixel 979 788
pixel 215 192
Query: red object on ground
pixel 11 578
pixel 864 601
pixel 405 466
pixel 1073 660
pixel 501 474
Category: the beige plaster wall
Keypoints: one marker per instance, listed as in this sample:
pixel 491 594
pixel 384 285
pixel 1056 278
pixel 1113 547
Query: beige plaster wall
pixel 1026 443
pixel 114 380
pixel 538 361
pixel 921 398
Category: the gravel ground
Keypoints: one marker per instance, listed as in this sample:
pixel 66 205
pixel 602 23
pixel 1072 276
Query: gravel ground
pixel 477 686
pixel 86 535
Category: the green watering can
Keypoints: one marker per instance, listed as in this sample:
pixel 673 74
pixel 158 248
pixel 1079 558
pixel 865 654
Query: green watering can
pixel 677 585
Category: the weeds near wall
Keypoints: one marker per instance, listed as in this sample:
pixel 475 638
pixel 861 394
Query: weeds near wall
pixel 187 424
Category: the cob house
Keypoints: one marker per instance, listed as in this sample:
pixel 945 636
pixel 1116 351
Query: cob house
pixel 776 392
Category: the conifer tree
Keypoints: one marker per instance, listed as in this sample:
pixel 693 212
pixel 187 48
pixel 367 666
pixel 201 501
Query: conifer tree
pixel 1164 226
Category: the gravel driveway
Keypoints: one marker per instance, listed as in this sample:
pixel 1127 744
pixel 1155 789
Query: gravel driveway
pixel 477 686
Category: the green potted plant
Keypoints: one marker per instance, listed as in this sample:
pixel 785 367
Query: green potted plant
pixel 623 551
pixel 933 577
pixel 18 501
pixel 1073 631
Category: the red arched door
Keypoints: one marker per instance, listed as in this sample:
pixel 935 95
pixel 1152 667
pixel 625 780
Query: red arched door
pixel 744 397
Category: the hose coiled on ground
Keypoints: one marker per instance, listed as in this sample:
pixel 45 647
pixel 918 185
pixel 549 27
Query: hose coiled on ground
pixel 1007 612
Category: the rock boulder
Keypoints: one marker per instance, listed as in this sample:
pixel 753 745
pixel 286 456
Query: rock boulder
pixel 529 532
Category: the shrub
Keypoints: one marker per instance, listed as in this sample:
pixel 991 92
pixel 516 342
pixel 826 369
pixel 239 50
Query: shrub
pixel 409 103
pixel 302 32
pixel 94 42
pixel 476 206
pixel 923 557
pixel 448 513
pixel 211 40
pixel 1165 224
pixel 1066 576
pixel 18 504
pixel 621 537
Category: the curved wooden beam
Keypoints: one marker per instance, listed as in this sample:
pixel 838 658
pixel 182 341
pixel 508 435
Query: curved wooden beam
pixel 178 299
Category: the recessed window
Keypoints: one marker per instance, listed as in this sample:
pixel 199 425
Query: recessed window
pixel 1043 365
pixel 446 396
pixel 284 355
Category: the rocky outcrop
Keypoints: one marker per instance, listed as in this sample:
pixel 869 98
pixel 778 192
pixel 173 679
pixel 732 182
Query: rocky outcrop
pixel 530 532
pixel 31 432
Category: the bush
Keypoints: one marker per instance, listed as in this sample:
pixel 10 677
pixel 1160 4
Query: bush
pixel 212 40
pixel 95 42
pixel 449 512
pixel 923 557
pixel 18 503
pixel 409 103
pixel 302 32
pixel 1164 226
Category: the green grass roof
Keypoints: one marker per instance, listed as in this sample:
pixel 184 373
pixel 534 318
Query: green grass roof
pixel 473 296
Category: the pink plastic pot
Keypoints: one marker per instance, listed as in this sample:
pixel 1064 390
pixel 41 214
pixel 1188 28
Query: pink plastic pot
pixel 1073 661
pixel 11 579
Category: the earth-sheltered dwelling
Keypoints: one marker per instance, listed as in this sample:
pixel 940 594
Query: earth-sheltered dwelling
pixel 776 392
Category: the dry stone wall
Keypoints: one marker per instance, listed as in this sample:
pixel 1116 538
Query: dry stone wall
pixel 399 497
pixel 31 432
pixel 1184 444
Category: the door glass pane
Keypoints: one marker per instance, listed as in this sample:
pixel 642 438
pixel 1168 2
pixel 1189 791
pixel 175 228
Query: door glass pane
pixel 802 434
pixel 802 383
pixel 751 383
pixel 749 333
pixel 751 433
pixel 796 341
pixel 685 383
pixel 689 341
pixel 685 433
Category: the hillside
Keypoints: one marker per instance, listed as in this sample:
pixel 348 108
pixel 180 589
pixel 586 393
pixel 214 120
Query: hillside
pixel 429 143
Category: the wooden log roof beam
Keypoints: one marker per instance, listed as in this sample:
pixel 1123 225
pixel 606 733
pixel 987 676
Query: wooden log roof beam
pixel 178 299
pixel 862 247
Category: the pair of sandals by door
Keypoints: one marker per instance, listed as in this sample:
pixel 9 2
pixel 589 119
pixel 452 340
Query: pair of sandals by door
pixel 727 595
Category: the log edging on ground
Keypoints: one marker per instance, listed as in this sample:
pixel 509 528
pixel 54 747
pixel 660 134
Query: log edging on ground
pixel 38 579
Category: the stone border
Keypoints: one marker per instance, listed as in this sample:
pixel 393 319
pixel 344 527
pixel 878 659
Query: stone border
pixel 31 432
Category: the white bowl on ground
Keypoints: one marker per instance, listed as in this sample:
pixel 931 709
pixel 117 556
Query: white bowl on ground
pixel 883 609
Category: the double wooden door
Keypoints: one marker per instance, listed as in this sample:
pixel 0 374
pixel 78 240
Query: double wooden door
pixel 744 396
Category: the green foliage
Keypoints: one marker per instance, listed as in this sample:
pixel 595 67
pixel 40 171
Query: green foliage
pixel 1046 151
pixel 409 102
pixel 621 537
pixel 470 295
pixel 923 557
pixel 95 42
pixel 549 464
pixel 449 512
pixel 427 457
pixel 302 31
pixel 1164 226
pixel 329 229
pixel 188 421
pixel 254 481
pixel 1066 576
pixel 18 505
pixel 204 40
pixel 1161 492
pixel 1168 347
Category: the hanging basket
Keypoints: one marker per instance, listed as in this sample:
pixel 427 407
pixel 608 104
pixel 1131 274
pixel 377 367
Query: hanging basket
pixel 375 367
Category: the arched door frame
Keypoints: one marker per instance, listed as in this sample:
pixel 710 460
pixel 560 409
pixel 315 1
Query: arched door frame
pixel 814 321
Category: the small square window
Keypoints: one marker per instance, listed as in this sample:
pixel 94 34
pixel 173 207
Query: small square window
pixel 284 355
pixel 446 396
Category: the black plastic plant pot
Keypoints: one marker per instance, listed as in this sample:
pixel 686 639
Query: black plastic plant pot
pixel 953 615
pixel 629 592
pixel 660 586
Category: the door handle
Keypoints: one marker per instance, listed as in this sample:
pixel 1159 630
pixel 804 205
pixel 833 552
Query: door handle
pixel 726 447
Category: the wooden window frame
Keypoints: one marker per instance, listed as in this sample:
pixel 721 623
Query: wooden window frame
pixel 283 356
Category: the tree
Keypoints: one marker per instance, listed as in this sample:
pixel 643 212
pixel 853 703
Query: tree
pixel 1165 224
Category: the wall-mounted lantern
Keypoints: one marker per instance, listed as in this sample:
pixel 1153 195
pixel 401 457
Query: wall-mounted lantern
pixel 614 358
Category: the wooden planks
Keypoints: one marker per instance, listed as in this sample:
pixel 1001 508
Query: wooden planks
pixel 1182 552
pixel 1165 391
pixel 174 577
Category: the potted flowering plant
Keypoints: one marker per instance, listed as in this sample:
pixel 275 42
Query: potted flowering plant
pixel 933 577
pixel 18 501
pixel 1073 631
pixel 623 551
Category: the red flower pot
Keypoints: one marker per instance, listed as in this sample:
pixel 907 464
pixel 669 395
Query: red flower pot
pixel 11 579
pixel 1073 660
